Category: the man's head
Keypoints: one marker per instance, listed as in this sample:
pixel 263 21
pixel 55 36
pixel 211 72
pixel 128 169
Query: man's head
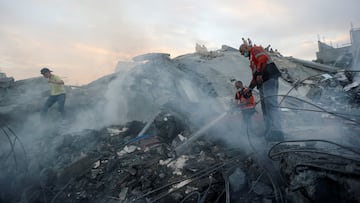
pixel 45 72
pixel 239 85
pixel 244 50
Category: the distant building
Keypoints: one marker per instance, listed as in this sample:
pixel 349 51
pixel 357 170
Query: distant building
pixel 328 54
pixel 342 56
pixel 355 47
pixel 355 37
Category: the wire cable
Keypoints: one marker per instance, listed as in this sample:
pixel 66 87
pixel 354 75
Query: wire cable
pixel 16 138
pixel 312 104
pixel 318 111
pixel 277 190
pixel 317 166
pixel 12 149
pixel 312 151
pixel 313 140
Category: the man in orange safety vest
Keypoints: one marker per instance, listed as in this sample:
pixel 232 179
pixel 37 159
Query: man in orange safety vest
pixel 265 76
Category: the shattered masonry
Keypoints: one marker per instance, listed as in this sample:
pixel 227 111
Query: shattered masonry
pixel 163 131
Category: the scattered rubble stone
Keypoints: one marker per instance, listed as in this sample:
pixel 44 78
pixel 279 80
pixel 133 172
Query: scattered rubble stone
pixel 136 161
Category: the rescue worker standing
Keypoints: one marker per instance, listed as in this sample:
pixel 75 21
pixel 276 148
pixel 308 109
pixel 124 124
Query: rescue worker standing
pixel 57 92
pixel 246 101
pixel 265 77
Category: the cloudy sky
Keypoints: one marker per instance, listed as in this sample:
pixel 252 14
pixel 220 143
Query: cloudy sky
pixel 82 40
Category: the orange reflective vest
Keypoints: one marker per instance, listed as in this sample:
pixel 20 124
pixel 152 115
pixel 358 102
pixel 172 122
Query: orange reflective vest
pixel 244 101
pixel 261 64
pixel 258 59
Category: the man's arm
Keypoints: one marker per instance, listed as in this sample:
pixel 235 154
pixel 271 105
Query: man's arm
pixel 262 60
pixel 56 80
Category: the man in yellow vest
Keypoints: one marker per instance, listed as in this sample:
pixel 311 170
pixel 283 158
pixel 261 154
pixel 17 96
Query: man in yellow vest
pixel 57 92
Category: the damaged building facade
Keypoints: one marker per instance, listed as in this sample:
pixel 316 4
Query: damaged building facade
pixel 342 57
pixel 164 131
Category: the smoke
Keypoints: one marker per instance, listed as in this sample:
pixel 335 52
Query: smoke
pixel 155 81
pixel 196 87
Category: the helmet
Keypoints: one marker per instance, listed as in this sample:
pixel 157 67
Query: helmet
pixel 45 70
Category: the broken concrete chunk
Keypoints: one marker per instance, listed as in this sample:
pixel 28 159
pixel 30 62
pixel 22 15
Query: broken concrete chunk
pixel 130 148
pixel 123 193
pixel 180 185
pixel 326 76
pixel 309 82
pixel 341 77
pixel 127 150
pixel 178 164
pixel 96 164
pixel 352 85
pixel 114 131
pixel 165 162
pixel 182 138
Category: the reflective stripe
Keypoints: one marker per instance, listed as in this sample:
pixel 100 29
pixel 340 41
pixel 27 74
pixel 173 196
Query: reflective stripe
pixel 263 53
pixel 259 54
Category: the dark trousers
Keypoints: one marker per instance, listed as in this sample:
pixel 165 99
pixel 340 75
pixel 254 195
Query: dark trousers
pixel 60 99
pixel 269 104
pixel 247 116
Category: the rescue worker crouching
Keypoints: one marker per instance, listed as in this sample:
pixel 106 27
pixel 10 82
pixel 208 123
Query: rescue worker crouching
pixel 245 101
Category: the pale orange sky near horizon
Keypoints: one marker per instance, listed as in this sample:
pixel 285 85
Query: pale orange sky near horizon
pixel 82 41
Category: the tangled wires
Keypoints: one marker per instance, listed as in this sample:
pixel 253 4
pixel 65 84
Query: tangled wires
pixel 12 139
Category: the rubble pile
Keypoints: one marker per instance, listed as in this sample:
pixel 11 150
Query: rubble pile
pixel 120 164
pixel 115 164
pixel 162 130
pixel 318 170
pixel 329 88
pixel 331 93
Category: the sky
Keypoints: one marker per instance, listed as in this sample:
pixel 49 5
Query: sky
pixel 82 40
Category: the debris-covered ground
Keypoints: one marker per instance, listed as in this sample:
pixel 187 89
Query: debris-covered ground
pixel 164 132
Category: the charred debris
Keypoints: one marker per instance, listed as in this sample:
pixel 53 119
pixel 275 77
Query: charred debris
pixel 157 159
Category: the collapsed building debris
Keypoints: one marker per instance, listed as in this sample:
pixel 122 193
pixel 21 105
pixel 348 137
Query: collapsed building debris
pixel 118 164
pixel 318 170
pixel 98 166
pixel 163 132
pixel 330 90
